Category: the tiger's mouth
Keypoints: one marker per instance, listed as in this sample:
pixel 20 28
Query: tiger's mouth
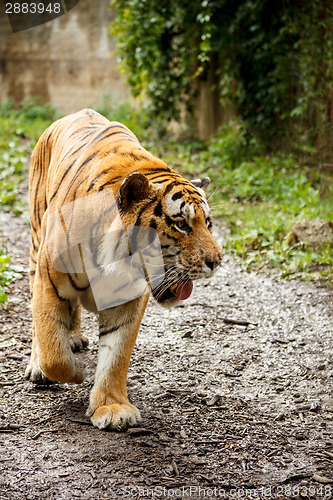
pixel 182 289
pixel 178 289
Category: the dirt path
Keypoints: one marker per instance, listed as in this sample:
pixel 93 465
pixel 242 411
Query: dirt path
pixel 234 387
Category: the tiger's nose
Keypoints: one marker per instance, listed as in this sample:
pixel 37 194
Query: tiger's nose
pixel 212 264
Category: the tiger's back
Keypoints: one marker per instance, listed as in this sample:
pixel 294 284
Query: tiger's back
pixel 69 153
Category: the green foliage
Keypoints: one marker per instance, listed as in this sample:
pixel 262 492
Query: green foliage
pixel 13 167
pixel 8 274
pixel 124 112
pixel 20 128
pixel 154 39
pixel 27 120
pixel 32 109
pixel 273 60
pixel 4 261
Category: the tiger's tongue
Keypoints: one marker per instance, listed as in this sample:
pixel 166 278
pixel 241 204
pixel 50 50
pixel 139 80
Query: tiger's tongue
pixel 184 289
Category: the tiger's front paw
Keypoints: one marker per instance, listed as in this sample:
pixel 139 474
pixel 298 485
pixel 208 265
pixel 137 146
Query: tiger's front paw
pixel 34 374
pixel 78 342
pixel 116 416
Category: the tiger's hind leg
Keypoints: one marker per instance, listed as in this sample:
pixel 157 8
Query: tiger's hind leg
pixel 77 340
pixel 52 352
pixel 33 371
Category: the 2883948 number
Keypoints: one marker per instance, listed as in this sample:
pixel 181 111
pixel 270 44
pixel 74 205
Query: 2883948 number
pixel 32 8
pixel 324 491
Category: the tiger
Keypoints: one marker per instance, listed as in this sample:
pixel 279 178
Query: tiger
pixel 82 157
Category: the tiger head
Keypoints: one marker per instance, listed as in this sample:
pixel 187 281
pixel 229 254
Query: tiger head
pixel 179 213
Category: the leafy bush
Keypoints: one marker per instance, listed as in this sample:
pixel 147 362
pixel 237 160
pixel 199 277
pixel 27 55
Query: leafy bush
pixel 272 60
pixel 32 109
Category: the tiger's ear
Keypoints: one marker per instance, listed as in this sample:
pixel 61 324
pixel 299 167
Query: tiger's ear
pixel 201 183
pixel 134 188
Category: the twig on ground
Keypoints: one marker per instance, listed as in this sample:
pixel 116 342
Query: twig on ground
pixel 241 322
pixel 81 422
pixel 44 431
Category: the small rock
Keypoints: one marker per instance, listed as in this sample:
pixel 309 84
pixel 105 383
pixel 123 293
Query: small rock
pixel 313 232
pixel 139 431
pixel 214 400
pixel 314 406
pixel 322 479
pixel 174 467
pixel 300 437
pixel 303 407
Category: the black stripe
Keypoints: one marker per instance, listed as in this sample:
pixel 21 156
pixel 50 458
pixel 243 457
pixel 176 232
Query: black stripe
pixel 177 195
pixel 104 172
pixel 71 152
pixel 123 132
pixel 49 137
pixel 132 155
pixel 72 282
pixel 153 224
pixel 100 136
pixel 166 170
pixel 158 209
pixel 179 214
pixel 152 234
pixel 37 164
pixel 54 287
pixel 114 328
pixel 168 220
pixel 77 130
pixel 75 286
pixel 173 238
pixel 110 182
pixel 160 181
pixel 170 186
pixel 33 244
pixel 62 178
pixel 150 202
pixel 86 161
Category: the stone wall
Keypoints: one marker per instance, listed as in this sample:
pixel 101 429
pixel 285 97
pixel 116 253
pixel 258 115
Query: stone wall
pixel 69 61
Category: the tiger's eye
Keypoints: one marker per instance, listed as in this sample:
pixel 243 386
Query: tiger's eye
pixel 181 224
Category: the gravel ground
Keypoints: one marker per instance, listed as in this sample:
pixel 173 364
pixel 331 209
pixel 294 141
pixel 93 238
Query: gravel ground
pixel 234 387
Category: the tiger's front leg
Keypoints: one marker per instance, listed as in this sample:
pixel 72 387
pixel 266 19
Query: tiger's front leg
pixel 109 407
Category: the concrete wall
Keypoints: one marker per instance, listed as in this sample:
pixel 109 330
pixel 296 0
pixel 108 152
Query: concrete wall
pixel 69 61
